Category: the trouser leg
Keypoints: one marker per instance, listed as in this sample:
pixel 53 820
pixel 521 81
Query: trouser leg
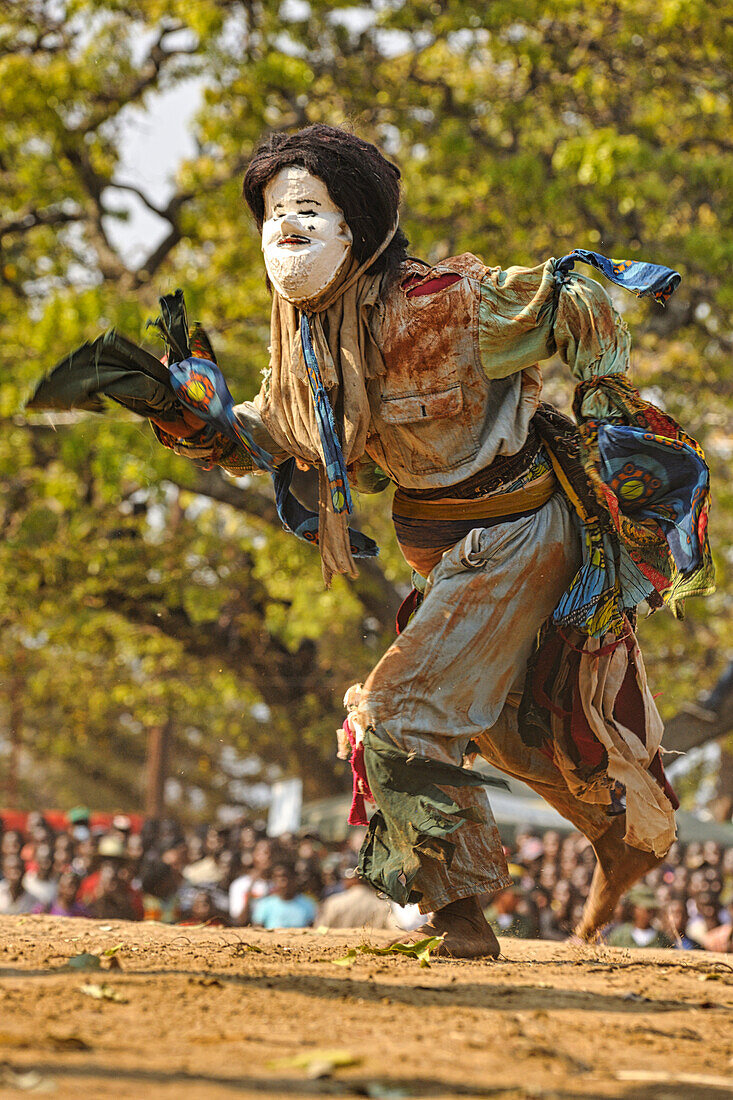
pixel 446 679
pixel 503 747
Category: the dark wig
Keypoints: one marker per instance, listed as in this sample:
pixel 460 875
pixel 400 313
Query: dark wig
pixel 363 183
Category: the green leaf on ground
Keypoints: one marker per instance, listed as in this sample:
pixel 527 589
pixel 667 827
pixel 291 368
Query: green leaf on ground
pixel 420 951
pixel 84 961
pixel 317 1063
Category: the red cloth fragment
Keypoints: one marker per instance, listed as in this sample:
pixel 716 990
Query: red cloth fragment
pixel 361 792
pixel 414 288
pixel 406 610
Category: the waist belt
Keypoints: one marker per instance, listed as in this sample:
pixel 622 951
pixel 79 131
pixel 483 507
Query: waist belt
pixel 530 496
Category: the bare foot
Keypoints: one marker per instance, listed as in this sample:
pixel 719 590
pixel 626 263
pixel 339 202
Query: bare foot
pixel 467 934
pixel 619 867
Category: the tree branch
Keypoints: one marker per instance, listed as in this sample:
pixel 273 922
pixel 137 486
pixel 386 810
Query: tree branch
pixel 379 597
pixel 31 219
pixel 707 720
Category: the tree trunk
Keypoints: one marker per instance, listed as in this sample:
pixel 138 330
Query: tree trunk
pixel 17 715
pixel 157 768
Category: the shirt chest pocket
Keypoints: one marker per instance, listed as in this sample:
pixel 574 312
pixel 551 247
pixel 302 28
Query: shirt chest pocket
pixel 425 432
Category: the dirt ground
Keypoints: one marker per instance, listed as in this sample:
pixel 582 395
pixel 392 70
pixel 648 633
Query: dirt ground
pixel 206 1012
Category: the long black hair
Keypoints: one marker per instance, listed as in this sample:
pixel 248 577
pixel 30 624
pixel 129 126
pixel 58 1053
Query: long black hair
pixel 360 180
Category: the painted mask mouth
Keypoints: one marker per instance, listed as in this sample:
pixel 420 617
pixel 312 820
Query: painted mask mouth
pixel 294 238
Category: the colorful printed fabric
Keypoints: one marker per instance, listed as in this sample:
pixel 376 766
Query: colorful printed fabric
pixel 646 279
pixel 302 522
pixel 638 482
pixel 333 458
pixel 652 480
pixel 640 487
pixel 200 387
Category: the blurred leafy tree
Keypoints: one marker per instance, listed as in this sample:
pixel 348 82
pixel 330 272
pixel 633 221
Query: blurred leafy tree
pixel 136 590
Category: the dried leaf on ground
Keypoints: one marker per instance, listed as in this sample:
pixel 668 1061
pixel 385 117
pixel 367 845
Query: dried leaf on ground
pixel 659 1077
pixel 247 949
pixel 26 1081
pixel 104 992
pixel 68 1042
pixel 377 1091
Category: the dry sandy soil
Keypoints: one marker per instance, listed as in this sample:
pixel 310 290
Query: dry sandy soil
pixel 205 1012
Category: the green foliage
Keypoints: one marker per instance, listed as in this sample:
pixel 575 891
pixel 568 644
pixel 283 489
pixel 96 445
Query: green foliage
pixel 130 600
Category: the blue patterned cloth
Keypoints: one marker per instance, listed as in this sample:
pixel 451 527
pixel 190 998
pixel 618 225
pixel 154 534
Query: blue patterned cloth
pixel 649 539
pixel 200 386
pixel 338 479
pixel 643 278
pixel 658 481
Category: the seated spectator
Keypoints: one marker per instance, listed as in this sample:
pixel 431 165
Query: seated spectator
pixel 246 889
pixel 194 848
pixel 41 882
pixel 284 907
pixel 11 843
pixel 207 871
pixel 550 846
pixel 333 879
pixel 203 911
pixel 65 903
pixel 530 858
pixel 509 914
pixel 110 899
pixel 712 854
pixel 229 869
pixel 693 856
pixel 85 854
pixel 309 878
pixel 721 938
pixel 63 854
pixel 79 819
pixel 675 924
pixel 14 898
pixel 706 916
pixel 557 921
pixel 136 851
pixel 107 892
pixel 160 883
pixel 640 931
pixel 358 905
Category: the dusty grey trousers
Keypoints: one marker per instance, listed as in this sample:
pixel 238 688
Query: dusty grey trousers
pixel 456 673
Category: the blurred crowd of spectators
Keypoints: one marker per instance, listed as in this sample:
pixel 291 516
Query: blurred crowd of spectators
pixel 238 876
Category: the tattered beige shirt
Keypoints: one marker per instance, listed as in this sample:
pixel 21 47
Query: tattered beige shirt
pixel 462 380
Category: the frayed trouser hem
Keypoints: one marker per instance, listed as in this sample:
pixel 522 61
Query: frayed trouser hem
pixel 466 890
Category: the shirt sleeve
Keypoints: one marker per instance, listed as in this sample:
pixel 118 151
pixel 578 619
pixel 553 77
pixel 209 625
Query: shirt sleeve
pixel 525 316
pixel 248 416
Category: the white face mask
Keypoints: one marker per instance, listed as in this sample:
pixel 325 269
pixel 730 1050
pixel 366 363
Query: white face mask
pixel 305 238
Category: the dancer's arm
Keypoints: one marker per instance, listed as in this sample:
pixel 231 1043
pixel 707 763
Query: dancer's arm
pixel 206 448
pixel 526 315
